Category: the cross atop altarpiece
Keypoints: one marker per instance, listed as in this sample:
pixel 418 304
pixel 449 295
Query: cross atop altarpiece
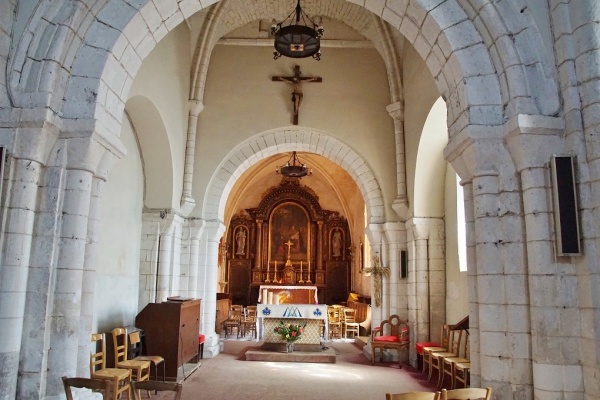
pixel 296 81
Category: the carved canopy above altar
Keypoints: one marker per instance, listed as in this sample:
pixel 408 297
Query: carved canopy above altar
pixel 288 239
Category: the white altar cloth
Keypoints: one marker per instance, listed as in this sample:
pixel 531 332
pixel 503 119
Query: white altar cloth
pixel 282 288
pixel 289 311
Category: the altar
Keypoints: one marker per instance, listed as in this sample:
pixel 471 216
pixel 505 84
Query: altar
pixel 314 315
pixel 287 294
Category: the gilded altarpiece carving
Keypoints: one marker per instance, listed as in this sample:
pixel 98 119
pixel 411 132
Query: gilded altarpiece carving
pixel 289 239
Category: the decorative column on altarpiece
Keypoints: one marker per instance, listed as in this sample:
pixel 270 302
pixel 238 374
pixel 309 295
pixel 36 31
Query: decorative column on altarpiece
pixel 257 271
pixel 319 272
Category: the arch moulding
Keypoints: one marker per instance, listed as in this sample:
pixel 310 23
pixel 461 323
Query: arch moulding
pixel 284 140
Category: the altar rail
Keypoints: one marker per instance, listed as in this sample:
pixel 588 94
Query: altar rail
pixel 363 316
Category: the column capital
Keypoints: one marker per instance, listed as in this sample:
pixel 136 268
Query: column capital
pixel 533 139
pixel 375 233
pixel 196 107
pixel 396 110
pixel 214 229
pixel 196 226
pixel 393 232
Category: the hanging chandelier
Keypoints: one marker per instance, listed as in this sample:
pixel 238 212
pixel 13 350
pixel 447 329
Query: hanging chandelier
pixel 294 168
pixel 297 36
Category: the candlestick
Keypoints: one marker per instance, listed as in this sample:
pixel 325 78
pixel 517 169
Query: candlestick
pixel 267 280
pixel 308 280
pixel 301 280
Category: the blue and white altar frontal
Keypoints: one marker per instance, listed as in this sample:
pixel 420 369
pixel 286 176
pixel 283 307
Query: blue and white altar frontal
pixel 295 311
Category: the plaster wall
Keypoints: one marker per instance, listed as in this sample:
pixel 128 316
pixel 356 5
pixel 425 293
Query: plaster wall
pixel 420 94
pixel 164 79
pixel 241 101
pixel 117 280
pixel 430 167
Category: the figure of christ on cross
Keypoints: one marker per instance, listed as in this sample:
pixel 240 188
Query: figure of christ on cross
pixel 296 82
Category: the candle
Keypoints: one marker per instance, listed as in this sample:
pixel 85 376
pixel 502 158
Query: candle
pixel 300 267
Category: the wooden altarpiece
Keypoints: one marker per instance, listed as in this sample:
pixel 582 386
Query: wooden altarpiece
pixel 288 239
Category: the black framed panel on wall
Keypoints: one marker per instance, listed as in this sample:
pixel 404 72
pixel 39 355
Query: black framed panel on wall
pixel 2 161
pixel 566 214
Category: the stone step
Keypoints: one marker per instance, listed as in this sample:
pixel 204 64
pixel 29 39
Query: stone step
pixel 275 352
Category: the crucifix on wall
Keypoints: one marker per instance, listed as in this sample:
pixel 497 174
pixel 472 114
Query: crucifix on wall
pixel 296 81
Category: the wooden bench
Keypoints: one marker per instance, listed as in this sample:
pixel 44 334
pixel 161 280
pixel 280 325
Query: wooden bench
pixel 392 333
pixel 362 316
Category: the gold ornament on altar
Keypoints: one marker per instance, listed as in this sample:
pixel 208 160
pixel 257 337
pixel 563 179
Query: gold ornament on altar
pixel 378 272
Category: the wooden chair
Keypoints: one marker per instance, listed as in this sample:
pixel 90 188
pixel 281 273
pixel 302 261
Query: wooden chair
pixel 119 378
pixel 233 321
pixel 97 385
pixel 350 324
pixel 334 324
pixel 425 349
pixel 140 369
pixel 467 394
pixel 392 333
pixel 137 351
pixel 433 356
pixel 413 396
pixel 174 387
pixel 461 372
pixel 446 364
pixel 249 321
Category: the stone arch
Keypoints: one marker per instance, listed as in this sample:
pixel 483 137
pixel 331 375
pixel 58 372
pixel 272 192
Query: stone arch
pixel 276 141
pixel 451 36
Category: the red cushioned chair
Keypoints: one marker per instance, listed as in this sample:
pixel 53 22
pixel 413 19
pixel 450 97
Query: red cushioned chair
pixel 200 346
pixel 392 333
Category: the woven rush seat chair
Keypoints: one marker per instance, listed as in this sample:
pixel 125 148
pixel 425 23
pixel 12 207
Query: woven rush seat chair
pixel 101 386
pixel 413 396
pixel 392 333
pixel 119 378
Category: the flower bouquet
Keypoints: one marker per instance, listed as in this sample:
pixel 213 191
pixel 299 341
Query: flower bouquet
pixel 290 333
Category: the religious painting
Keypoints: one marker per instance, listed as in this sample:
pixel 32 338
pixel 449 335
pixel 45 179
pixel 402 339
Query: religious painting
pixel 289 233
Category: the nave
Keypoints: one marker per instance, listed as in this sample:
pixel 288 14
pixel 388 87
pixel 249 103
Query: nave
pixel 229 376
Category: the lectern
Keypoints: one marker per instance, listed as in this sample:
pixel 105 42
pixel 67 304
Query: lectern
pixel 171 330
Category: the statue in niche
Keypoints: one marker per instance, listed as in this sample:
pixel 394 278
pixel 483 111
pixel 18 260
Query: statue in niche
pixel 336 243
pixel 240 239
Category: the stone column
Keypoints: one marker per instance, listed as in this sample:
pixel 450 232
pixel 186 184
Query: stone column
pixel 20 215
pixel 165 253
pixel 153 223
pixel 89 278
pixel 212 233
pixel 400 205
pixel 542 306
pixel 36 327
pixel 419 293
pixel 195 232
pixel 394 236
pixel 64 338
pixel 187 201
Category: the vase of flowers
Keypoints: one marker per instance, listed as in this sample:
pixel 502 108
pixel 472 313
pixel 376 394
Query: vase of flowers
pixel 290 333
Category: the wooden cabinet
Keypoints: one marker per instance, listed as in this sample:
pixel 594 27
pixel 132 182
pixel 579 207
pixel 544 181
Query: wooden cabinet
pixel 171 329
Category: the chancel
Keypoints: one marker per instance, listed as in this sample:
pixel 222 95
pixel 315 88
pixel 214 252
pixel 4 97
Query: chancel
pixel 455 167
